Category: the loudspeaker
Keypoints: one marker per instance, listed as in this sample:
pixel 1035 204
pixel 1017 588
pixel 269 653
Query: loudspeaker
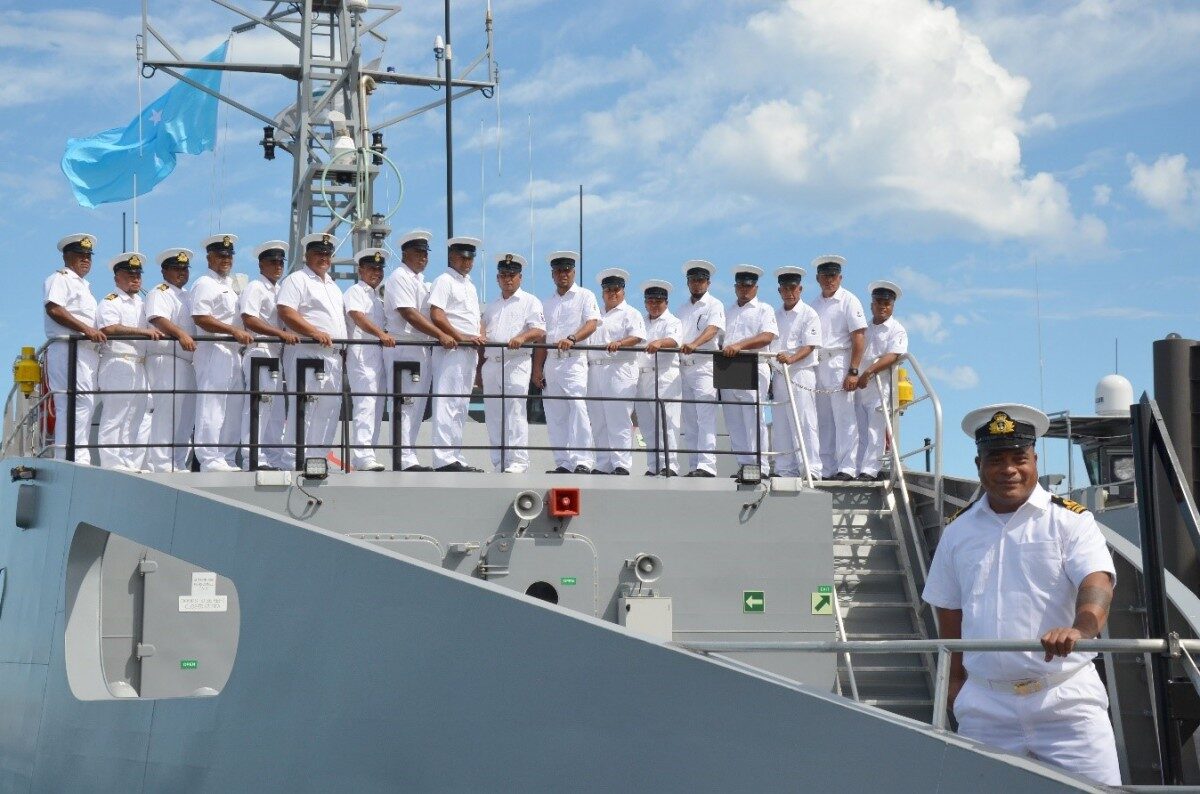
pixel 647 567
pixel 528 505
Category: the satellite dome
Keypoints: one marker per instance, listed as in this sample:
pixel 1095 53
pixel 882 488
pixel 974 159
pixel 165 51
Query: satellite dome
pixel 1114 395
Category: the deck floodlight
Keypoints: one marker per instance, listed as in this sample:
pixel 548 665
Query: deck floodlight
pixel 316 468
pixel 749 474
pixel 268 143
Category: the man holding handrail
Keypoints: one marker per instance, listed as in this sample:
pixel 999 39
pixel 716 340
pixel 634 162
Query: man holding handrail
pixel 795 358
pixel 659 383
pixel 364 362
pixel 1016 563
pixel 169 370
pixel 887 341
pixel 702 319
pixel 749 327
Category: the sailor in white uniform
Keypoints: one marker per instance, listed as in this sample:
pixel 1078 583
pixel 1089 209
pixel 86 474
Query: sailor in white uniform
pixel 71 309
pixel 122 376
pixel 1020 562
pixel 702 318
pixel 572 316
pixel 364 363
pixel 513 319
pixel 613 374
pixel 406 304
pixel 844 327
pixel 218 364
pixel 310 304
pixel 796 355
pixel 887 341
pixel 258 314
pixel 749 326
pixel 660 386
pixel 169 364
pixel 454 310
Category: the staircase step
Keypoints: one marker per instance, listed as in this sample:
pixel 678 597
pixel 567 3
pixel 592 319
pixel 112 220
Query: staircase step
pixel 863 542
pixel 884 668
pixel 866 572
pixel 863 512
pixel 850 603
pixel 850 635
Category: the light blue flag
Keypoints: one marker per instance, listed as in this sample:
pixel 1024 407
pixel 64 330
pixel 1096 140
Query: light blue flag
pixel 182 121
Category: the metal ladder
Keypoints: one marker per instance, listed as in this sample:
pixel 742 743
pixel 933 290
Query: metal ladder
pixel 878 596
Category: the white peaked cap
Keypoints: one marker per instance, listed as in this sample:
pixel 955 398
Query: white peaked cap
pixel 271 245
pixel 754 269
pixel 377 255
pixel 612 272
pixel 317 237
pixel 473 241
pixel 572 255
pixel 77 238
pixel 893 286
pixel 171 253
pixel 227 239
pixel 703 264
pixel 790 270
pixel 416 234
pixel 655 282
pixel 832 259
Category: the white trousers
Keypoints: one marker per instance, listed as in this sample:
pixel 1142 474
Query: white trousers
pixel 742 421
pixel 86 364
pixel 414 388
pixel 323 401
pixel 612 421
pixel 872 429
pixel 1066 725
pixel 272 410
pixel 365 373
pixel 218 416
pixel 567 421
pixel 788 461
pixel 662 437
pixel 453 373
pixel 699 420
pixel 511 379
pixel 836 422
pixel 121 414
pixel 174 415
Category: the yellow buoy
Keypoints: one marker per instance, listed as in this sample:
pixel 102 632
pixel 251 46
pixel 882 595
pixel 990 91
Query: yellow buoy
pixel 26 371
pixel 904 388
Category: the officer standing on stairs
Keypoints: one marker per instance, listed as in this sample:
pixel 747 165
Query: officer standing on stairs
pixel 1020 562
pixel 887 341
pixel 796 350
pixel 844 326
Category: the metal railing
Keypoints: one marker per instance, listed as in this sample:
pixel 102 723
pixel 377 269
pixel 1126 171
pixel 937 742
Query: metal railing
pixel 937 445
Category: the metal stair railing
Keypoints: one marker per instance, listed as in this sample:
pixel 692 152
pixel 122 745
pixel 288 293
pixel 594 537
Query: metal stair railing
pixel 23 429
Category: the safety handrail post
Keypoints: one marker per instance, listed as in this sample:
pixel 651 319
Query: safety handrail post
pixel 72 396
pixel 257 365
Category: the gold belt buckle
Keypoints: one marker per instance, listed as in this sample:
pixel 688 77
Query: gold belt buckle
pixel 1028 686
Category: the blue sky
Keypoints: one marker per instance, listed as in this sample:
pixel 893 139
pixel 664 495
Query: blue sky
pixel 987 156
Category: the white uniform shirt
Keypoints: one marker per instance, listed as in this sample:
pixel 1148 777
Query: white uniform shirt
pixel 840 315
pixel 505 318
pixel 213 295
pixel 618 323
pixel 361 298
pixel 886 337
pixel 455 294
pixel 743 322
pixel 119 308
pixel 566 313
pixel 1015 577
pixel 798 327
pixel 174 305
pixel 405 289
pixel 665 326
pixel 258 301
pixel 317 299
pixel 695 317
pixel 64 287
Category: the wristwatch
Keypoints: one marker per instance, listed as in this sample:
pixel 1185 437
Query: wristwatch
pixel 572 339
pixel 852 371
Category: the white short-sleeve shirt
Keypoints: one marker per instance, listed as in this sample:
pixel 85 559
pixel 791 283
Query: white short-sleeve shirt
pixel 361 298
pixel 405 289
pixel 317 299
pixel 1016 576
pixel 567 312
pixel 883 338
pixel 841 314
pixel 665 326
pixel 455 294
pixel 504 318
pixel 64 287
pixel 213 296
pixel 694 317
pixel 752 319
pixel 175 305
pixel 120 308
pixel 619 322
pixel 798 327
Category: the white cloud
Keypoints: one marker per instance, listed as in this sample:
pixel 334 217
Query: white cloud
pixel 1101 195
pixel 1168 185
pixel 960 291
pixel 896 111
pixel 929 326
pixel 961 377
pixel 568 76
pixel 1107 313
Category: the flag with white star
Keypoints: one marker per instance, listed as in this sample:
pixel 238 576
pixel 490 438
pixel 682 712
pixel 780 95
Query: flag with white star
pixel 120 163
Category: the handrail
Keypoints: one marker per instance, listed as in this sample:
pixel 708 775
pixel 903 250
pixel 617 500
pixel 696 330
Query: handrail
pixel 938 501
pixel 21 425
pixel 898 473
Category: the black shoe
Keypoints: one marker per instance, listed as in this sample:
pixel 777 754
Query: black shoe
pixel 265 467
pixel 651 474
pixel 559 470
pixel 699 473
pixel 667 473
pixel 881 476
pixel 417 467
pixel 620 470
pixel 841 476
pixel 595 471
pixel 581 469
pixel 455 466
pixel 864 477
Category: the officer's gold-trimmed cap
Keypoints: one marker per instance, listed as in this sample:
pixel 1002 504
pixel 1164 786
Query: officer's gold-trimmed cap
pixel 219 243
pixel 322 242
pixel 510 263
pixel 130 261
pixel 1005 426
pixel 375 257
pixel 174 257
pixel 79 243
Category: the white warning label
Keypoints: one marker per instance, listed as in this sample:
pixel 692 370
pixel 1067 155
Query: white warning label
pixel 204 596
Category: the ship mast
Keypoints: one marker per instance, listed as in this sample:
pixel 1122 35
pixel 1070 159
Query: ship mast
pixel 337 150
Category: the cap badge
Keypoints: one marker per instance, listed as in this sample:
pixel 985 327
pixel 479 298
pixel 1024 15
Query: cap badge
pixel 378 257
pixel 508 257
pixel 181 258
pixel 325 239
pixel 135 260
pixel 1001 425
pixel 86 243
pixel 226 241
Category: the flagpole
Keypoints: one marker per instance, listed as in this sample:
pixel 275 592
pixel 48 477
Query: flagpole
pixel 141 137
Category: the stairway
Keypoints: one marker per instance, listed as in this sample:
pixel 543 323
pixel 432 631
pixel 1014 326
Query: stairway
pixel 878 597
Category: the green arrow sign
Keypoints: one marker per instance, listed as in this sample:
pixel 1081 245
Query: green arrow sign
pixel 754 601
pixel 822 603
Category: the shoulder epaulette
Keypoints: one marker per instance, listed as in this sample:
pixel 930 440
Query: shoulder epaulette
pixel 1073 506
pixel 64 270
pixel 163 287
pixel 963 509
pixel 112 296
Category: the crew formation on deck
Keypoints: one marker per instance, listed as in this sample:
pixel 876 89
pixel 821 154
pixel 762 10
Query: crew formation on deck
pixel 823 370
